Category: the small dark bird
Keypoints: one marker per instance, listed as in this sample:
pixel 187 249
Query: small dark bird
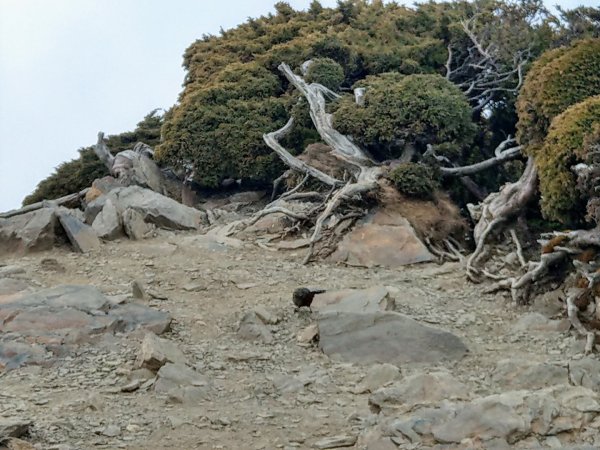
pixel 304 296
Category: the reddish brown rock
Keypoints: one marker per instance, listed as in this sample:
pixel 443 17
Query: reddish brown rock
pixel 383 239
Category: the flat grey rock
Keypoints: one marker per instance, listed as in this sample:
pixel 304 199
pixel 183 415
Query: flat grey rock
pixel 385 337
pixel 373 299
pixel 525 374
pixel 107 223
pixel 252 328
pixel 585 372
pixel 83 237
pixel 419 389
pixel 29 232
pixel 134 225
pixel 13 427
pixel 64 316
pixel 182 384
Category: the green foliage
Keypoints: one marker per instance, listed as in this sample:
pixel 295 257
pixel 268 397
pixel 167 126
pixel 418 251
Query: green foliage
pixel 401 111
pixel 234 93
pixel 560 78
pixel 566 145
pixel 69 177
pixel 79 173
pixel 219 128
pixel 327 72
pixel 414 180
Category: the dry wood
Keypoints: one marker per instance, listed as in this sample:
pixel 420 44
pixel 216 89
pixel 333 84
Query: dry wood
pixel 44 203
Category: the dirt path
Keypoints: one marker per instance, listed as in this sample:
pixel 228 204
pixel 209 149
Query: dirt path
pixel 256 402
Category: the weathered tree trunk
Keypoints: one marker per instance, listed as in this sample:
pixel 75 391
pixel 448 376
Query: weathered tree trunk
pixel 500 207
pixel 67 199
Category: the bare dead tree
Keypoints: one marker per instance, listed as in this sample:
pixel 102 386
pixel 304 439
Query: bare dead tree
pixel 480 70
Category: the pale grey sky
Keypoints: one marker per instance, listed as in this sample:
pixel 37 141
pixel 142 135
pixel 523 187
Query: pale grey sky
pixel 69 68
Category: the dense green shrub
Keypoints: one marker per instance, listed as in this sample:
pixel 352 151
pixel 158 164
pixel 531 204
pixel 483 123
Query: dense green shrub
pixel 79 173
pixel 219 121
pixel 401 111
pixel 327 72
pixel 566 145
pixel 414 180
pixel 560 78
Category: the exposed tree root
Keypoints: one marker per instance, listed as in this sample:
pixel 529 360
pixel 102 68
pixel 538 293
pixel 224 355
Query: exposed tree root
pixel 498 208
pixel 364 176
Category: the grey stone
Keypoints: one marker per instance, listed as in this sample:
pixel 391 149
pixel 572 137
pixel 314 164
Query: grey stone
pixel 15 354
pixel 107 223
pixel 157 209
pixel 247 197
pixel 29 232
pixel 550 303
pixel 266 316
pixel 514 415
pixel 137 290
pixel 308 334
pixel 536 322
pixel 10 286
pixel 63 316
pixel 83 237
pixel 336 442
pixel 7 271
pixel 526 374
pixel 81 297
pixel 13 427
pixel 130 316
pixel 111 431
pixel 134 225
pixel 418 389
pixel 381 337
pixel 312 374
pixel 585 372
pixel 155 352
pixel 372 299
pixel 182 384
pixel 486 418
pixel 93 208
pixel 379 375
pixel 252 328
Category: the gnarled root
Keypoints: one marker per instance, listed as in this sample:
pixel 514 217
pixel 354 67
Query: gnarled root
pixel 363 178
pixel 498 208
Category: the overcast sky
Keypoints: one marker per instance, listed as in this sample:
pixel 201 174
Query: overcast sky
pixel 70 68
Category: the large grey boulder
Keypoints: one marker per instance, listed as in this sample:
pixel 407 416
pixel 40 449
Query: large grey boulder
pixel 107 223
pixel 157 209
pixel 385 337
pixel 83 237
pixel 33 231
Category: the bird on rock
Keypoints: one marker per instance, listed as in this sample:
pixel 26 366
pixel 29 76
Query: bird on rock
pixel 304 296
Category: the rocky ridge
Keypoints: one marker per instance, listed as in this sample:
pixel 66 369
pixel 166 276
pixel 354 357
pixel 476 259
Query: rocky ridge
pixel 524 382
